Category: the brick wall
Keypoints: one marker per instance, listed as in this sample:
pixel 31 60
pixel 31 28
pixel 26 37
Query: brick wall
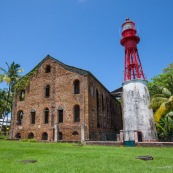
pixel 61 83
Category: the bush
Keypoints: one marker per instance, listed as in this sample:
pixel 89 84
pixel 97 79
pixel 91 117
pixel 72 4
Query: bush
pixel 24 140
pixel 32 140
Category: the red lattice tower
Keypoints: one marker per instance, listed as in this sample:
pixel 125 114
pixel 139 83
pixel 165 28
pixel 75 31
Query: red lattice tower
pixel 133 66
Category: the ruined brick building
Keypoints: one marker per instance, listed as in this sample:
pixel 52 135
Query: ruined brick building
pixel 64 103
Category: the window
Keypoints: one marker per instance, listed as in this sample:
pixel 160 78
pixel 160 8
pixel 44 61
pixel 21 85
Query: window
pixel 47 91
pixel 22 95
pixel 60 113
pixel 102 103
pixel 18 136
pixel 76 87
pixel 76 113
pixel 19 117
pixel 46 116
pixel 75 133
pixel 60 136
pixel 44 136
pixel 98 106
pixel 30 135
pixel 91 90
pixel 48 69
pixel 32 116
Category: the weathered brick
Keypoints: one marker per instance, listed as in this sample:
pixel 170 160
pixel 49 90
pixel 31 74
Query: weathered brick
pixel 95 104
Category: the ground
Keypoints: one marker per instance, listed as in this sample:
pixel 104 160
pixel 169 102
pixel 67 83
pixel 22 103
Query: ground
pixel 68 157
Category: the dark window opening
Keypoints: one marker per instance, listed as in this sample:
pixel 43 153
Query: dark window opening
pixel 60 113
pixel 139 137
pixel 46 115
pixel 98 112
pixel 103 103
pixel 76 87
pixel 60 137
pixel 48 69
pixel 107 111
pixel 91 90
pixel 47 91
pixel 31 136
pixel 18 136
pixel 75 133
pixel 76 113
pixel 32 117
pixel 19 117
pixel 22 95
pixel 44 136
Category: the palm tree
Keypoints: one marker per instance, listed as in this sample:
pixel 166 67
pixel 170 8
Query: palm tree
pixel 3 99
pixel 165 127
pixel 10 76
pixel 161 103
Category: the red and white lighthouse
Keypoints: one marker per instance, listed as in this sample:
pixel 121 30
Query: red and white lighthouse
pixel 133 67
pixel 138 121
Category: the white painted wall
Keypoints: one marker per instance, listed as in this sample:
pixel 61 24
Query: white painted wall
pixel 136 114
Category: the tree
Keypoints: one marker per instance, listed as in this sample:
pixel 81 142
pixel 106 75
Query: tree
pixel 3 100
pixel 161 91
pixel 164 80
pixel 10 76
pixel 161 104
pixel 165 127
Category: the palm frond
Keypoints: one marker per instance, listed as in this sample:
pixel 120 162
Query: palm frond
pixel 156 102
pixel 3 70
pixel 166 92
pixel 164 108
pixel 160 112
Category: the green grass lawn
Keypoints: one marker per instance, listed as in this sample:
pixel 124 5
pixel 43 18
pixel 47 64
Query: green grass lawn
pixel 63 157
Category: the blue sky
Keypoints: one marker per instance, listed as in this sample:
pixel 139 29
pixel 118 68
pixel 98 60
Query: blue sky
pixel 86 34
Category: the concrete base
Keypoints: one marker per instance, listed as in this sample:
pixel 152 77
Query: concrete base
pixel 137 117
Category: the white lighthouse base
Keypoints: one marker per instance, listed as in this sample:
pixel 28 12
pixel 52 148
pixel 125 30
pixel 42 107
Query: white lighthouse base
pixel 137 117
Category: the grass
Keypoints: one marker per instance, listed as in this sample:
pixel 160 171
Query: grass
pixel 69 158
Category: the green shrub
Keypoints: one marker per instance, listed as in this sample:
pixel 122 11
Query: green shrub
pixel 24 140
pixel 32 140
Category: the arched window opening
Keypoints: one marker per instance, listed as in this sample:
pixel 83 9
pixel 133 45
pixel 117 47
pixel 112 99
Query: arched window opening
pixel 32 116
pixel 75 133
pixel 76 113
pixel 76 87
pixel 48 69
pixel 46 116
pixel 103 107
pixel 31 136
pixel 19 117
pixel 91 90
pixel 107 107
pixel 60 114
pixel 18 136
pixel 47 91
pixel 60 137
pixel 44 136
pixel 22 95
pixel 98 112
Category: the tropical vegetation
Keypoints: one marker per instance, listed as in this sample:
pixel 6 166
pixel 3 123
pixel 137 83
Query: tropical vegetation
pixel 161 90
pixel 10 76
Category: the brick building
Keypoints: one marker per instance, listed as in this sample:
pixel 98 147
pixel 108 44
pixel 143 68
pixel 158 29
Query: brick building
pixel 64 103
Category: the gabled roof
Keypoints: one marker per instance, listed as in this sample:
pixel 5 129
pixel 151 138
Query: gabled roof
pixel 67 67
pixel 117 92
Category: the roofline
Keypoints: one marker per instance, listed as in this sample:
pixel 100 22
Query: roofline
pixel 69 68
